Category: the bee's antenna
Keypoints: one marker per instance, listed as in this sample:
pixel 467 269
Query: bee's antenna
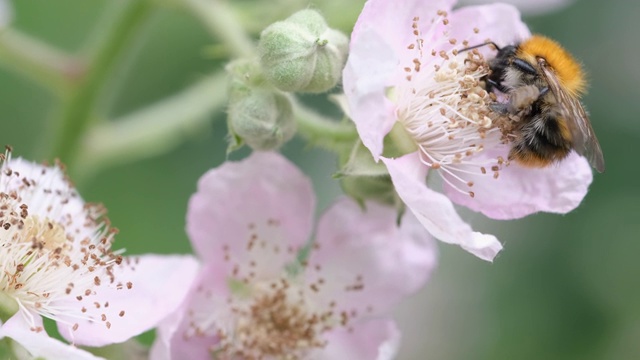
pixel 480 45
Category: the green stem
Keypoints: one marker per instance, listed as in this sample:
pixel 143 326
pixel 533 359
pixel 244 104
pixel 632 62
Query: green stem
pixel 76 112
pixel 154 129
pixel 39 61
pixel 323 131
pixel 219 18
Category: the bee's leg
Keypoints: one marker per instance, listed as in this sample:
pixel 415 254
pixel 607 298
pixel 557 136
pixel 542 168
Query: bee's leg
pixel 492 84
pixel 543 91
pixel 500 108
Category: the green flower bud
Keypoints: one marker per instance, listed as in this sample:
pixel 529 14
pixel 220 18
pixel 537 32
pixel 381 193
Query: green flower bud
pixel 376 188
pixel 8 306
pixel 245 72
pixel 398 142
pixel 261 118
pixel 363 179
pixel 302 53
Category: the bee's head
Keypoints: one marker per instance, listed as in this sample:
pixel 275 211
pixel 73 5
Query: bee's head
pixel 567 69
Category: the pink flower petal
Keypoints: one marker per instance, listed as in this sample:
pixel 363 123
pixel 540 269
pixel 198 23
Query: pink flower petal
pixel 520 191
pixel 241 205
pixel 530 7
pixel 175 338
pixel 368 248
pixel 378 43
pixel 392 20
pixel 434 210
pixel 39 344
pixel 161 348
pixel 371 66
pixel 158 285
pixel 377 339
pixel 499 22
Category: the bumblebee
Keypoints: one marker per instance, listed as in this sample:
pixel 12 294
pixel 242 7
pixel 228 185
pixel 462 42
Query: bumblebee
pixel 544 84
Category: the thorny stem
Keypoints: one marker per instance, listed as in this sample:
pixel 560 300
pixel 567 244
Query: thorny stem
pixel 322 131
pixel 161 126
pixel 39 61
pixel 76 111
pixel 154 129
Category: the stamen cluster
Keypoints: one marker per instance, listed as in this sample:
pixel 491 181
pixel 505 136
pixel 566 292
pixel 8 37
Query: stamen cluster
pixel 444 107
pixel 55 250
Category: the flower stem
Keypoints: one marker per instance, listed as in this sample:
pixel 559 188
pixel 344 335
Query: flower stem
pixel 76 111
pixel 322 131
pixel 219 19
pixel 39 61
pixel 152 130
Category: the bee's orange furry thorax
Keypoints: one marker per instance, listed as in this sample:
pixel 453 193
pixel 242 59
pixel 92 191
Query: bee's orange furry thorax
pixel 567 69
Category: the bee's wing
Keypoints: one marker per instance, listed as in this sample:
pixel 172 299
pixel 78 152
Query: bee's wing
pixel 583 137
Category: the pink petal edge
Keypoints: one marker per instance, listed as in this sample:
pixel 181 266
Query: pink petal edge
pixel 394 261
pixel 519 191
pixel 530 7
pixel 499 22
pixel 434 210
pixel 377 339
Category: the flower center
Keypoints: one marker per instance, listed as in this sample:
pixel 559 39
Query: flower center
pixel 43 233
pixel 443 106
pixel 276 307
pixel 277 320
pixel 29 244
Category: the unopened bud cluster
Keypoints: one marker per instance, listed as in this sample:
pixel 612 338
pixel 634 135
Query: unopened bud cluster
pixel 258 116
pixel 302 53
pixel 299 54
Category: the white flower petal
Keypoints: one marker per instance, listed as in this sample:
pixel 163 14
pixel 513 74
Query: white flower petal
pixel 38 343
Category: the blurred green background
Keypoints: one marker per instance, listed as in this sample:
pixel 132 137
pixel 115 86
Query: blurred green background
pixel 565 287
